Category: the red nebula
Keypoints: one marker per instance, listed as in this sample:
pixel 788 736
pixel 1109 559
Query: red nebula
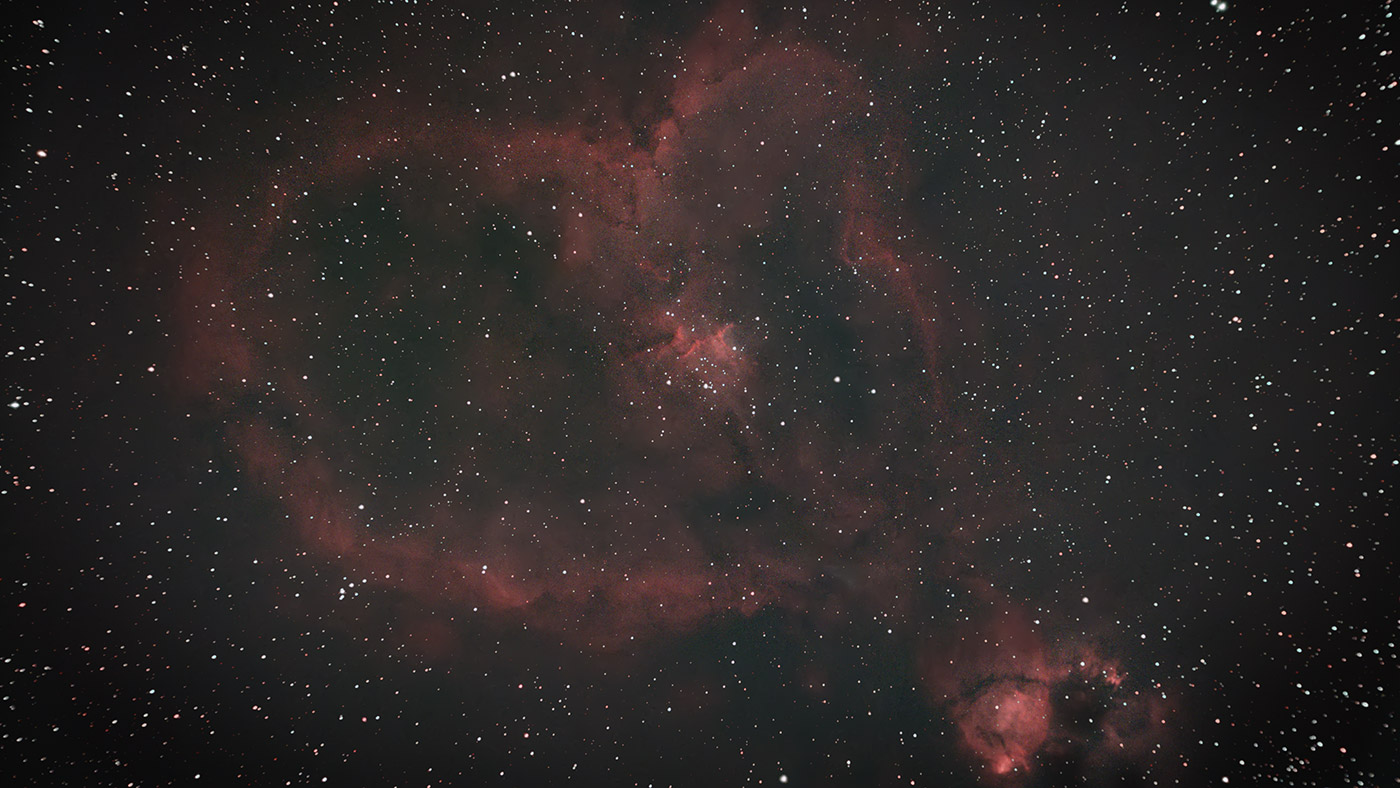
pixel 636 259
pixel 1017 700
pixel 575 409
pixel 1006 724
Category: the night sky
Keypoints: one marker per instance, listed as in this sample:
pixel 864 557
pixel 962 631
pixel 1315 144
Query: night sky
pixel 939 394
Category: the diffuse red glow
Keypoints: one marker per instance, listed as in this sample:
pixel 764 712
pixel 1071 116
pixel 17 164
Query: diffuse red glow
pixel 1016 700
pixel 642 252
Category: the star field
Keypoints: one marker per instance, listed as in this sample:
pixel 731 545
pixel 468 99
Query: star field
pixel 720 394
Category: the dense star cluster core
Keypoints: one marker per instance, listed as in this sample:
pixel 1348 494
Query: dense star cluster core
pixel 725 394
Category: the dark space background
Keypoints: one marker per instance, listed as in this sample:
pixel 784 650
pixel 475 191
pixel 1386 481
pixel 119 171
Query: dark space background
pixel 863 394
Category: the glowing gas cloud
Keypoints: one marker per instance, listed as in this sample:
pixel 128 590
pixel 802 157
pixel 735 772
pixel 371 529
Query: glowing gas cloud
pixel 616 378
